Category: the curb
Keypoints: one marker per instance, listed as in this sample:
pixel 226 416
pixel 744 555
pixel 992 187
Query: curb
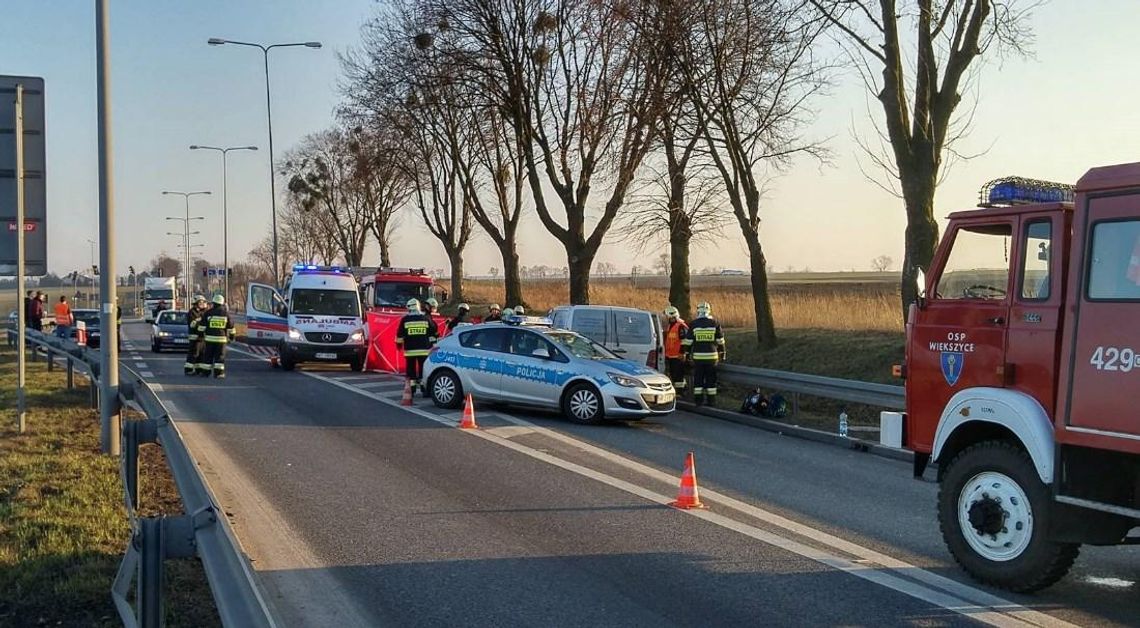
pixel 805 433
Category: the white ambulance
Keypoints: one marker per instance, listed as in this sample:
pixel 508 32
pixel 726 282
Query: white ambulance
pixel 317 320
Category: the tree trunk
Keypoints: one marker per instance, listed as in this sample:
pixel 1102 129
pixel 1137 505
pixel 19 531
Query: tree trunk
pixel 455 256
pixel 385 253
pixel 680 235
pixel 579 262
pixel 512 282
pixel 921 233
pixel 765 325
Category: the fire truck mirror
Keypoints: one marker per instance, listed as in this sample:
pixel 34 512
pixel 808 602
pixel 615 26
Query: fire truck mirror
pixel 920 286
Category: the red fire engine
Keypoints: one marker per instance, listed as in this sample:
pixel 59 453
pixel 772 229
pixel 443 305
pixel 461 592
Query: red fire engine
pixel 1023 375
pixel 385 292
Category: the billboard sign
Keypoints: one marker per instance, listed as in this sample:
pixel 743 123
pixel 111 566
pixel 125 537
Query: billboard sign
pixel 35 182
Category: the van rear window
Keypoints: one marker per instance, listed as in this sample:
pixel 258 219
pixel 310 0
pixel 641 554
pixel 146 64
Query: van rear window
pixel 632 327
pixel 591 323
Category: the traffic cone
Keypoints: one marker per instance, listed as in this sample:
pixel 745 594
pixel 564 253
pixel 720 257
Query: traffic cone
pixel 406 400
pixel 468 421
pixel 688 496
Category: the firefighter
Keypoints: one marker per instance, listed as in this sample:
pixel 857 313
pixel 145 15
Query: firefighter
pixel 194 350
pixel 416 335
pixel 494 314
pixel 217 329
pixel 675 334
pixel 431 306
pixel 460 317
pixel 704 346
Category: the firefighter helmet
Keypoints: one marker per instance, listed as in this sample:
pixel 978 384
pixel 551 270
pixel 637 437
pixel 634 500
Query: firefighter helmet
pixel 704 309
pixel 433 303
pixel 495 308
pixel 219 299
pixel 413 305
pixel 672 312
pixel 519 310
pixel 199 298
pixel 463 307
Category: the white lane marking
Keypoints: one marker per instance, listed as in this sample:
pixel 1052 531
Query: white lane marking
pixel 146 374
pixel 379 385
pixel 999 613
pixel 156 387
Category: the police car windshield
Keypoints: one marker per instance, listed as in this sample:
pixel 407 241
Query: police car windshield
pixel 325 302
pixel 397 294
pixel 580 346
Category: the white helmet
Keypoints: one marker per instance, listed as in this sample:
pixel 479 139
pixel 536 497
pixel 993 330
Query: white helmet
pixel 520 310
pixel 464 306
pixel 704 309
pixel 672 312
pixel 219 299
pixel 413 305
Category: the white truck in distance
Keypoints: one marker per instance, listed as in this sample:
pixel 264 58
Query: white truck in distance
pixel 159 291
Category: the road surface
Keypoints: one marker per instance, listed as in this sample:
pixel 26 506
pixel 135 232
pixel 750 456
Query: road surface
pixel 356 511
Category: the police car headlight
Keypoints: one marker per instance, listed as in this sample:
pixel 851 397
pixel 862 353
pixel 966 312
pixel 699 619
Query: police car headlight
pixel 357 336
pixel 627 382
pixel 294 334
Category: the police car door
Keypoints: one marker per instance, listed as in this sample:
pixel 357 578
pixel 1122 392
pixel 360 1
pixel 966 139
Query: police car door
pixel 960 334
pixel 264 313
pixel 528 373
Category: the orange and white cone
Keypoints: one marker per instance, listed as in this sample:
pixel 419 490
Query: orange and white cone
pixel 406 400
pixel 688 495
pixel 468 421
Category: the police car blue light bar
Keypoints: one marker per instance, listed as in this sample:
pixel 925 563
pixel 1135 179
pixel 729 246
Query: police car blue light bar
pixel 1009 191
pixel 530 321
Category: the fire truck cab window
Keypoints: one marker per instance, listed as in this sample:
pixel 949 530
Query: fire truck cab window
pixel 978 265
pixel 1035 276
pixel 1114 261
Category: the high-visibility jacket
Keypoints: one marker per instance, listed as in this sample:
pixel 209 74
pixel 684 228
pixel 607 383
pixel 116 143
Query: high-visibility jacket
pixel 705 340
pixel 216 325
pixel 62 314
pixel 193 317
pixel 416 334
pixel 674 339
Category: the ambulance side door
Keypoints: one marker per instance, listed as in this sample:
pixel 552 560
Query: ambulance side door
pixel 960 334
pixel 265 322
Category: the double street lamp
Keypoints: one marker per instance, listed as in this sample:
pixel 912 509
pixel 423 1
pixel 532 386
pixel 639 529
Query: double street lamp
pixel 216 41
pixel 186 230
pixel 225 211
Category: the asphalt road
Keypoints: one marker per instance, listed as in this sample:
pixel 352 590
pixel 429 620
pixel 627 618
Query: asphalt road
pixel 356 511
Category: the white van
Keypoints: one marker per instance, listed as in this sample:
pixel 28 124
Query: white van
pixel 631 333
pixel 318 320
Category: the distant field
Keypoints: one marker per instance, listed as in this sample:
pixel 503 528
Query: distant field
pixel 859 303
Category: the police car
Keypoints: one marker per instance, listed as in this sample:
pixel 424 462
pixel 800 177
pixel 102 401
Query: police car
pixel 524 361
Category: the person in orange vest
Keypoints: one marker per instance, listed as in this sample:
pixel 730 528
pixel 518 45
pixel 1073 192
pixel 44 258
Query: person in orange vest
pixel 62 318
pixel 675 332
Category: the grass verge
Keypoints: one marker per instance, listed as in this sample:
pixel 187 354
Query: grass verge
pixel 63 526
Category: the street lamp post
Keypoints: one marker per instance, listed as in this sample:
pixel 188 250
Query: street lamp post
pixel 225 211
pixel 186 230
pixel 215 41
pixel 91 295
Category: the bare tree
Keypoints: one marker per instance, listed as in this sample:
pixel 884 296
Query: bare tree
pixel 919 101
pixel 321 174
pixel 165 266
pixel 569 76
pixel 882 263
pixel 380 181
pixel 749 70
pixel 306 236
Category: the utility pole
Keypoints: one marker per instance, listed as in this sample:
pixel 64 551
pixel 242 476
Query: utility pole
pixel 109 410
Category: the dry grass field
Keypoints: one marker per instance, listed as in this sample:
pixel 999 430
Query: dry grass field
pixel 840 306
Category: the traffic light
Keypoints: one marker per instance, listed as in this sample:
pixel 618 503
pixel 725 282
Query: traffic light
pixel 132 270
pixel 95 270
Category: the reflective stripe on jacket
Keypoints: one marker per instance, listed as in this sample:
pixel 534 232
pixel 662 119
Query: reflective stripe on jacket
pixel 215 325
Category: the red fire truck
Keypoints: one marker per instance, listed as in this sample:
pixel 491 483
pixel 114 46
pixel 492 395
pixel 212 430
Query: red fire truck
pixel 385 292
pixel 1023 375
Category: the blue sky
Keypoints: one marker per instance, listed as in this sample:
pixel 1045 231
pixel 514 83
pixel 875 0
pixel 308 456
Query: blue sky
pixel 1070 107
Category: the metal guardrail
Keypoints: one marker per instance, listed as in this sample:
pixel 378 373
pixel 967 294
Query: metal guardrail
pixel 202 531
pixel 871 394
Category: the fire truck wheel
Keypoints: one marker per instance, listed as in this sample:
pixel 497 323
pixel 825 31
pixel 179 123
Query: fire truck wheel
pixel 994 514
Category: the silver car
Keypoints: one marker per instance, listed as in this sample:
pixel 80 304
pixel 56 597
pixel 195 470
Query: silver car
pixel 524 364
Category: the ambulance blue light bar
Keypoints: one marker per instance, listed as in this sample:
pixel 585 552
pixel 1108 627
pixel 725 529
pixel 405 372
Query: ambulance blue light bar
pixel 1009 191
pixel 313 267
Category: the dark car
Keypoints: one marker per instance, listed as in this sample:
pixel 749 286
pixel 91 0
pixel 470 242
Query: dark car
pixel 90 318
pixel 170 331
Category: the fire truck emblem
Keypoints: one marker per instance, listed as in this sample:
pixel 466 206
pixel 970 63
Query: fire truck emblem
pixel 952 362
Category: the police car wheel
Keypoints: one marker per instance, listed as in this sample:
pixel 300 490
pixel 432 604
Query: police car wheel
pixel 446 390
pixel 583 404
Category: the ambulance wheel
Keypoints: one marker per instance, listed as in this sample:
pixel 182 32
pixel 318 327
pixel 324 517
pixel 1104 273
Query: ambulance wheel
pixel 357 364
pixel 446 390
pixel 582 403
pixel 994 512
pixel 287 363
